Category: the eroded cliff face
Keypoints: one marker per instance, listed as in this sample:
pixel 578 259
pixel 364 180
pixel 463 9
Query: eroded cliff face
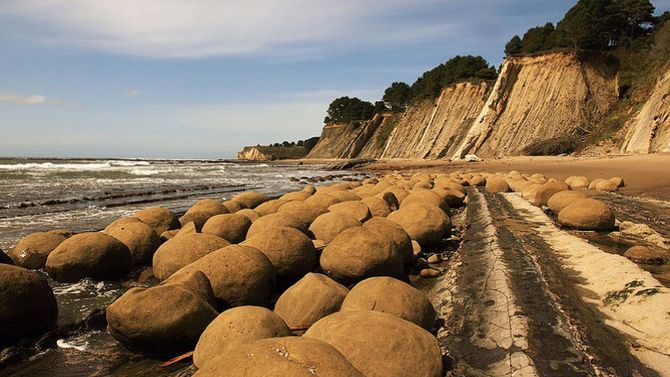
pixel 345 140
pixel 537 98
pixel 649 130
pixel 432 129
pixel 253 154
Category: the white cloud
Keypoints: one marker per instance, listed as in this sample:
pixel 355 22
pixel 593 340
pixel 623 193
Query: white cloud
pixel 17 99
pixel 198 28
pixel 133 93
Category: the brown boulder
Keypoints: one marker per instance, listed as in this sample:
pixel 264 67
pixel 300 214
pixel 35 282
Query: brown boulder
pixel 232 227
pixel 27 304
pixel 356 209
pixel 389 295
pixel 232 206
pixel 198 218
pixel 310 299
pixel 276 220
pixel 495 184
pixel 140 238
pixel 562 199
pixel 95 255
pixel 250 199
pixel 31 252
pixel 166 319
pixel 184 250
pixel 425 197
pixel 608 186
pixel 305 213
pixel 291 252
pixel 296 195
pixel 161 219
pixel 587 214
pixel 381 206
pixel 388 229
pixel 270 207
pixel 291 356
pixel 235 326
pixel 380 344
pixel 645 255
pixel 577 182
pixel 122 221
pixel 426 224
pixel 327 226
pixel 239 275
pixel 546 191
pixel 322 200
pixel 357 253
pixel 249 213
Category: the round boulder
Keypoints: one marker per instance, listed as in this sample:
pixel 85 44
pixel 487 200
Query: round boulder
pixel 357 253
pixel 239 275
pixel 291 252
pixel 587 214
pixel 27 304
pixel 327 226
pixel 305 213
pixel 250 214
pixel 389 295
pixel 270 207
pixel 276 220
pixel 381 206
pixel 577 182
pixel 355 209
pixel 31 252
pixel 645 255
pixel 495 184
pixel 250 199
pixel 166 319
pixel 546 191
pixel 183 250
pixel 425 197
pixel 161 219
pixel 287 357
pixel 310 299
pixel 94 255
pixel 380 344
pixel 232 227
pixel 562 199
pixel 140 238
pixel 235 326
pixel 426 224
pixel 233 206
pixel 609 186
pixel 388 229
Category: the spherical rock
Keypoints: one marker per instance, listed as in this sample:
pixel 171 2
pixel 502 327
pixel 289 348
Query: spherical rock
pixel 388 229
pixel 212 206
pixel 327 226
pixel 400 348
pixel 27 304
pixel 389 295
pixel 645 255
pixel 239 275
pixel 291 252
pixel 310 299
pixel 587 214
pixel 547 190
pixel 577 182
pixel 562 199
pixel 251 214
pixel 426 224
pixel 477 181
pixel 122 221
pixel 95 255
pixel 198 218
pixel 166 319
pixel 31 252
pixel 594 183
pixel 233 206
pixel 381 206
pixel 454 198
pixel 305 213
pixel 235 326
pixel 356 209
pixel 276 220
pixel 495 184
pixel 251 199
pixel 232 227
pixel 296 196
pixel 608 186
pixel 357 253
pixel 161 219
pixel 618 181
pixel 184 250
pixel 397 191
pixel 140 238
pixel 322 200
pixel 287 357
pixel 270 207
pixel 425 197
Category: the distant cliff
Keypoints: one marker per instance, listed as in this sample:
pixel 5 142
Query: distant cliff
pixel 278 151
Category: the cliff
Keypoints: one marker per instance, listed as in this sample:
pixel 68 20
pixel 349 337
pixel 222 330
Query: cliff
pixel 540 97
pixel 649 130
pixel 345 140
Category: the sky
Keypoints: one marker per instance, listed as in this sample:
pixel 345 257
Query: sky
pixel 202 78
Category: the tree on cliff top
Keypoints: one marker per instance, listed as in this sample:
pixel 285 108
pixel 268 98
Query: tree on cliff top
pixel 459 68
pixel 345 109
pixel 396 96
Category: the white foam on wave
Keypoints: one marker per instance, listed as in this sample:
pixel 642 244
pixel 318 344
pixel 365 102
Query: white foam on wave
pixel 73 166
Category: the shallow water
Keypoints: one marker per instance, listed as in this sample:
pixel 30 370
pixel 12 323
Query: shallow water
pixel 86 195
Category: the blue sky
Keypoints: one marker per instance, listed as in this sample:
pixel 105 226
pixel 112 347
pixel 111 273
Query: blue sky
pixel 202 78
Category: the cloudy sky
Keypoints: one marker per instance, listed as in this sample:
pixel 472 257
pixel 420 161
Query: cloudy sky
pixel 201 78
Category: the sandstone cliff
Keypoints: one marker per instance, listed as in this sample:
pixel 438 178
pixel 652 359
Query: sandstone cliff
pixel 253 154
pixel 540 97
pixel 345 140
pixel 649 130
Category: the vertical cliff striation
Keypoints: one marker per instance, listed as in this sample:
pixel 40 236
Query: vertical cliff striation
pixel 649 130
pixel 345 140
pixel 432 128
pixel 540 97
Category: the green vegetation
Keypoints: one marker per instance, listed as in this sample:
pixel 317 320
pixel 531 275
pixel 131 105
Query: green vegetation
pixel 592 25
pixel 396 96
pixel 345 109
pixel 459 68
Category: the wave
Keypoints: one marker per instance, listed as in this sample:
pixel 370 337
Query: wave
pixel 75 166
